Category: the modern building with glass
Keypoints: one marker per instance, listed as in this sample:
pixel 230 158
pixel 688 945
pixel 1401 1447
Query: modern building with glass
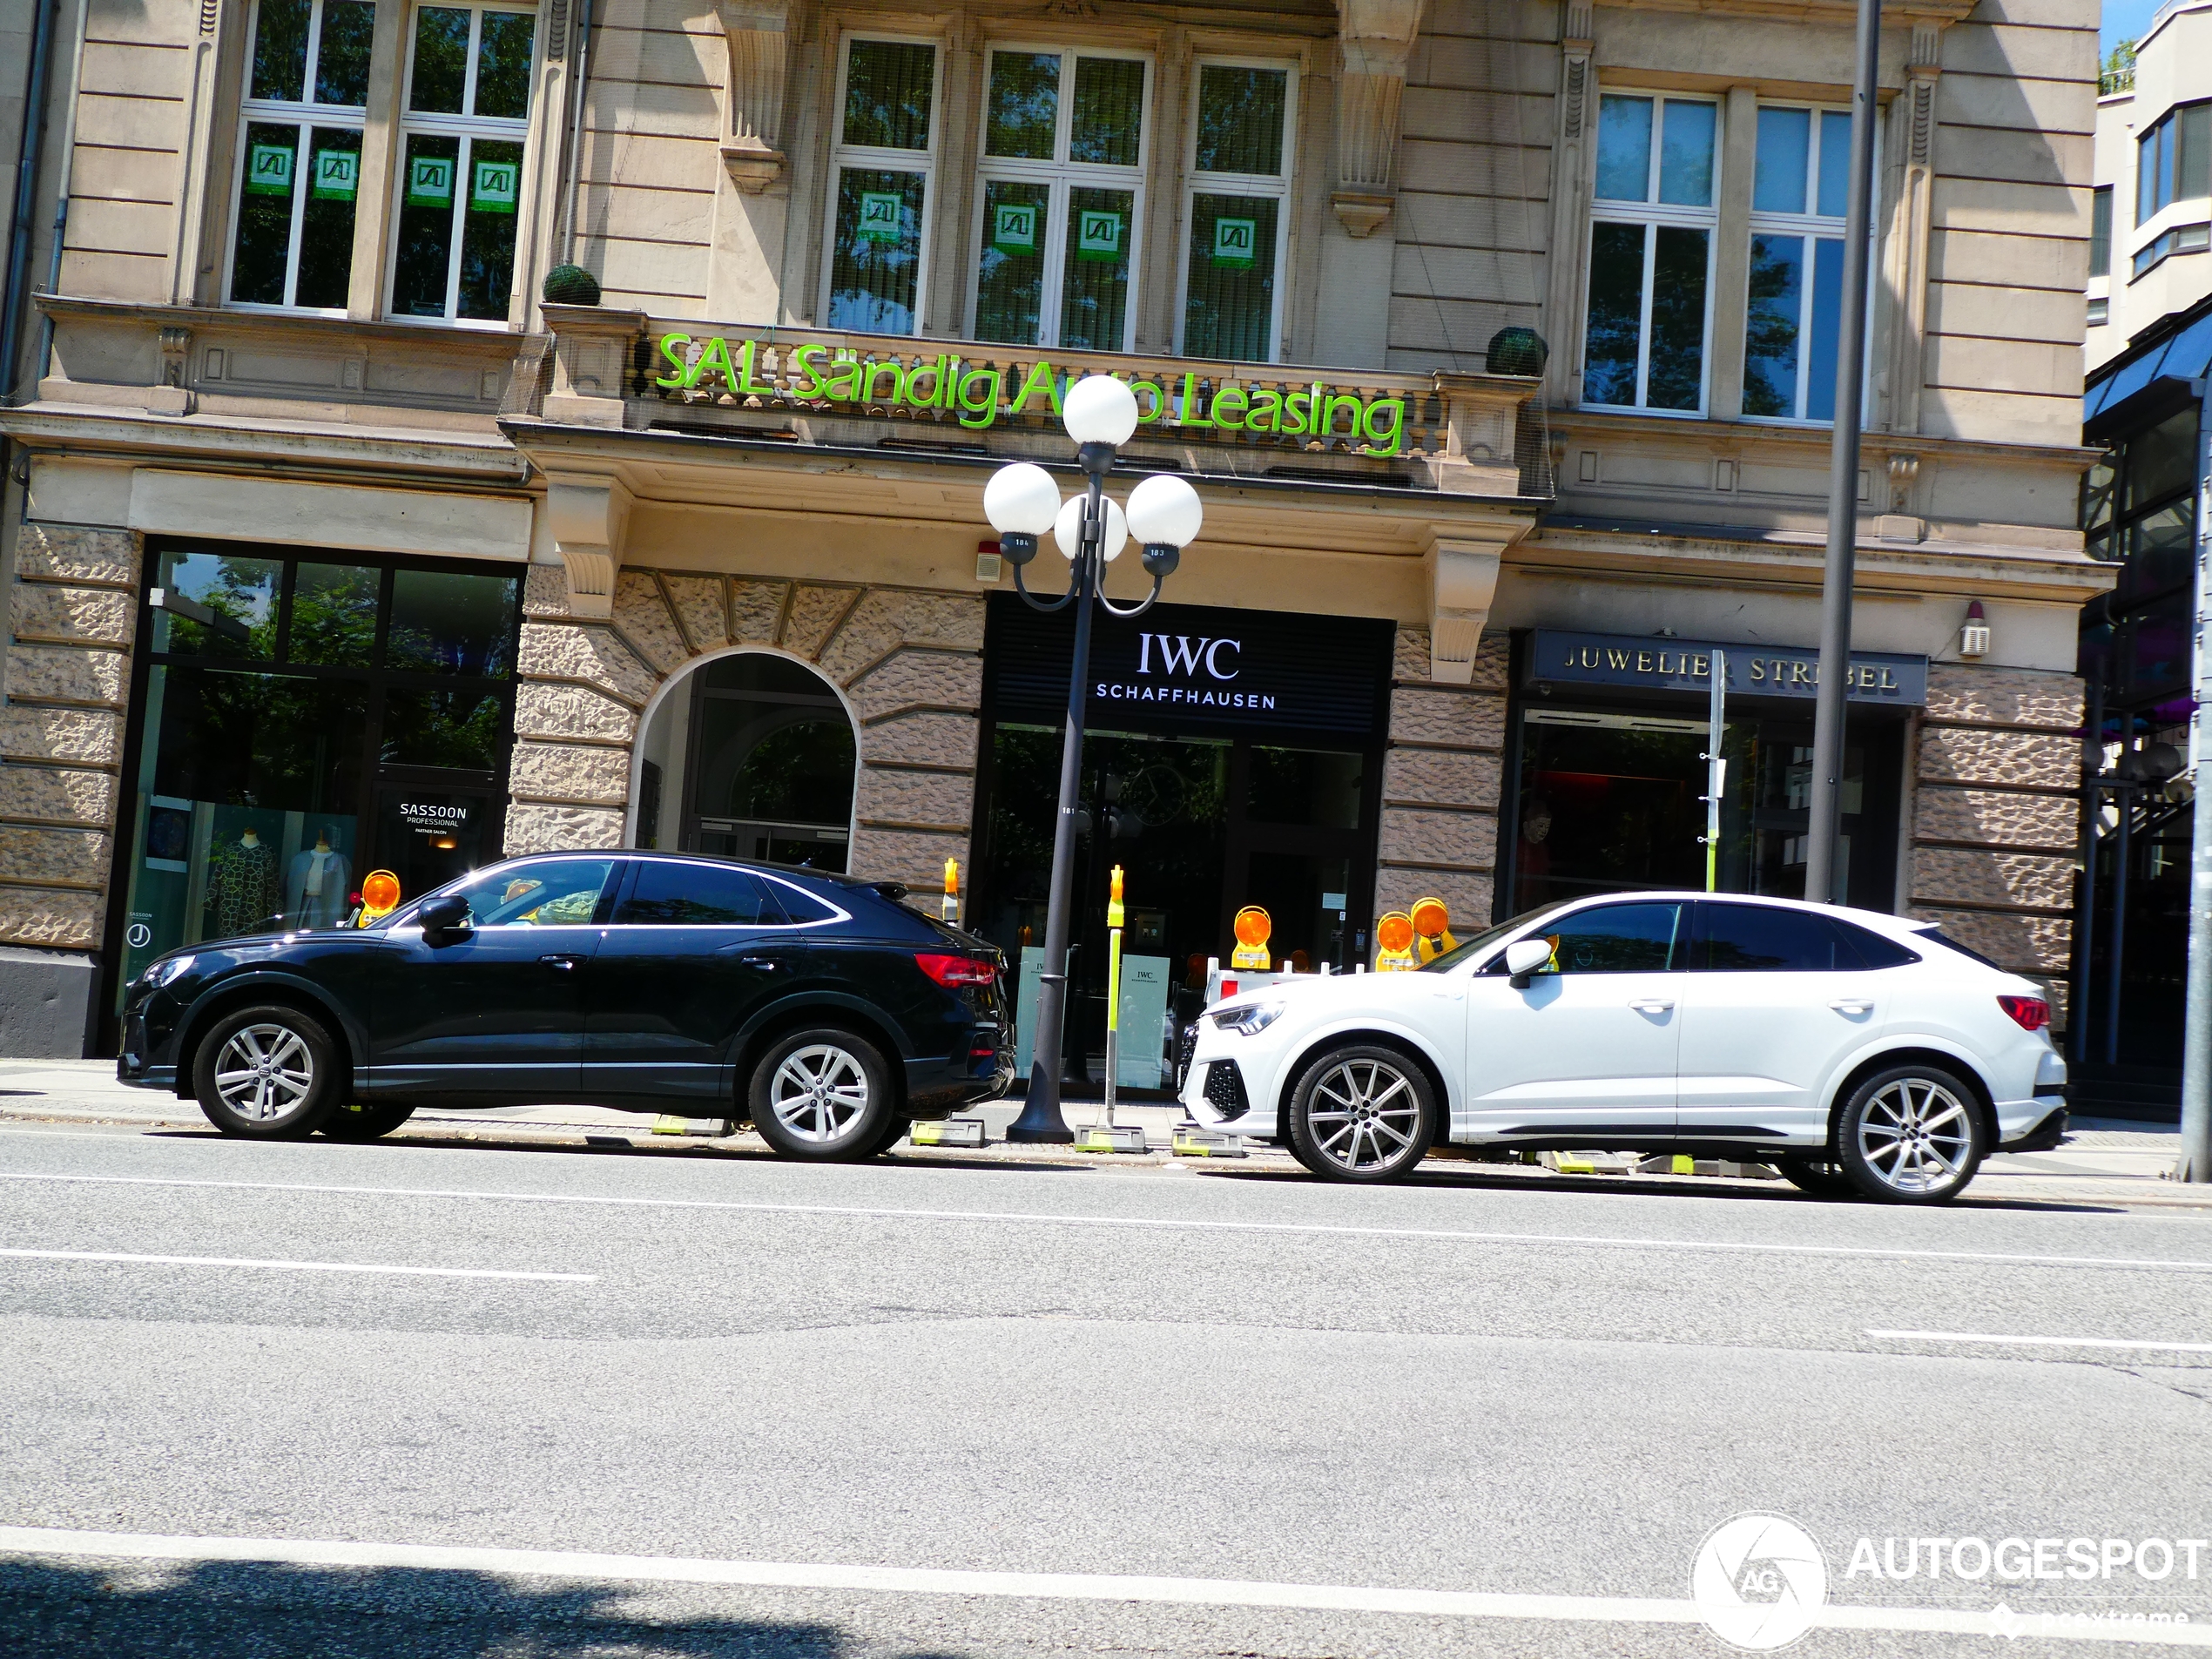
pixel 524 428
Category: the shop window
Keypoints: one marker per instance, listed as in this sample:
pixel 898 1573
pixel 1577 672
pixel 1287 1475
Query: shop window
pixel 1651 253
pixel 299 154
pixel 1235 204
pixel 1062 199
pixel 2173 160
pixel 464 117
pixel 306 719
pixel 1794 306
pixel 882 167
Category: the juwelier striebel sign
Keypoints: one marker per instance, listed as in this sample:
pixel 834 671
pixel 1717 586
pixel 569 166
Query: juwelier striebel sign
pixel 1659 664
pixel 1190 668
pixel 978 396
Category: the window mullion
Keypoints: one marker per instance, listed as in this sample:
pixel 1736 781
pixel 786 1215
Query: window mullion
pixel 302 158
pixel 463 158
pixel 1808 262
pixel 314 53
pixel 469 69
pixel 1643 320
pixel 1058 198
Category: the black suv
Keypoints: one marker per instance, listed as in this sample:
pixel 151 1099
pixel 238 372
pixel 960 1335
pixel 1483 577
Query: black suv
pixel 816 1005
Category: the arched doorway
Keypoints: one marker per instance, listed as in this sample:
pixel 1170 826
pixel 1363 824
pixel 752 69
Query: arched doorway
pixel 751 755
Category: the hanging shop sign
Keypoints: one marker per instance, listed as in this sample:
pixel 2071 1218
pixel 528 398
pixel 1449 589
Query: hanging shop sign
pixel 978 396
pixel 1193 668
pixel 1658 664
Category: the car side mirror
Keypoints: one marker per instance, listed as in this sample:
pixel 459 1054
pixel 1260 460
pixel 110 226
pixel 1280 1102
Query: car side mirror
pixel 444 918
pixel 1524 958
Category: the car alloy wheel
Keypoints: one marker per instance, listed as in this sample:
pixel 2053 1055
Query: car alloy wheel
pixel 267 1073
pixel 823 1094
pixel 1912 1135
pixel 818 1093
pixel 1361 1114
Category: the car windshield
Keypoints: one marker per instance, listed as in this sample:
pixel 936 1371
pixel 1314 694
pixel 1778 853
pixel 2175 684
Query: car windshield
pixel 1467 949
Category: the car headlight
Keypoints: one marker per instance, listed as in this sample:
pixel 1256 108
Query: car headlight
pixel 161 973
pixel 1246 1019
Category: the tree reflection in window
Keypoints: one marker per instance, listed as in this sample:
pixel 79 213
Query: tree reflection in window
pixel 459 729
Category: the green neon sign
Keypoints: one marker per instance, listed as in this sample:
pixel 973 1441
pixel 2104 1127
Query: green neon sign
pixel 978 396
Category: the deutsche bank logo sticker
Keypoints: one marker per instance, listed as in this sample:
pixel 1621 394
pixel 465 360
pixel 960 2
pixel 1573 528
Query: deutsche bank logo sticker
pixel 882 217
pixel 430 181
pixel 1234 241
pixel 1758 1581
pixel 1098 236
pixel 1014 228
pixel 268 170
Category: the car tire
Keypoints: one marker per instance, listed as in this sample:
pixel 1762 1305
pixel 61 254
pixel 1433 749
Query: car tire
pixel 354 1121
pixel 1911 1134
pixel 1819 1177
pixel 1364 1113
pixel 823 1094
pixel 268 1073
pixel 894 1131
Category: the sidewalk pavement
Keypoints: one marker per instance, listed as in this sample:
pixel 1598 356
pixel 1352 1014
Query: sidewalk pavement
pixel 2102 1162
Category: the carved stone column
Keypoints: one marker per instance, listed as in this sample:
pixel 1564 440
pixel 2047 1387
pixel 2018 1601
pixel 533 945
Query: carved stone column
pixel 758 36
pixel 1912 138
pixel 1378 39
pixel 1570 205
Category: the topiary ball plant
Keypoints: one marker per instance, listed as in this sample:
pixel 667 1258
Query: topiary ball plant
pixel 571 285
pixel 1517 351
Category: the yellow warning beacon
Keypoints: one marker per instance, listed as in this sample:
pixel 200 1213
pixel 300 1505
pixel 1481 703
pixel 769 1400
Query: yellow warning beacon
pixel 1394 943
pixel 1252 927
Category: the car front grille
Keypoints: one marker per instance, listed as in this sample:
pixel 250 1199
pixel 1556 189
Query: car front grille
pixel 1224 1089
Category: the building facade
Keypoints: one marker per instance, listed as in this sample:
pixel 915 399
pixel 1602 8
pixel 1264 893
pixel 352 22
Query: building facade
pixel 476 428
pixel 2151 230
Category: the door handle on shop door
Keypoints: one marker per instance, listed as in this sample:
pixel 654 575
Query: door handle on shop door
pixel 566 964
pixel 1653 1005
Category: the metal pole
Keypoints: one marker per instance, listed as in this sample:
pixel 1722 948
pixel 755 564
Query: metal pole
pixel 2195 1162
pixel 2122 857
pixel 1842 474
pixel 1041 1118
pixel 2085 923
pixel 1716 770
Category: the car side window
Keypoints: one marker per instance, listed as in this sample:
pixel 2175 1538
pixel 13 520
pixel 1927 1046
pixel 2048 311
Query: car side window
pixel 563 893
pixel 697 895
pixel 799 905
pixel 1871 949
pixel 1616 939
pixel 1757 939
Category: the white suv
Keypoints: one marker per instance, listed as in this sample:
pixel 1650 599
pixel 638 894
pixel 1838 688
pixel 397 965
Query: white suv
pixel 1858 1052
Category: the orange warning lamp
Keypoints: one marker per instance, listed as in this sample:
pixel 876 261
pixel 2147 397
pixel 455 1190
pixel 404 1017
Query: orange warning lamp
pixel 1394 943
pixel 1432 925
pixel 1251 927
pixel 380 896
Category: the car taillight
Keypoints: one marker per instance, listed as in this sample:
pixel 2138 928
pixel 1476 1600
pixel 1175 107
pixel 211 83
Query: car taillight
pixel 954 971
pixel 2029 1013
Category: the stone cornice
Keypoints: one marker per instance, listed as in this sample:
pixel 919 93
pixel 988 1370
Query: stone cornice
pixel 493 346
pixel 1841 14
pixel 339 452
pixel 1731 438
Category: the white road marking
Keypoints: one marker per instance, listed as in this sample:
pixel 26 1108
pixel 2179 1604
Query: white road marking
pixel 2042 1342
pixel 1082 1586
pixel 295 1267
pixel 1158 1223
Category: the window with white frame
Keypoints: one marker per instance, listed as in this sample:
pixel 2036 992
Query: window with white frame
pixel 464 116
pixel 300 148
pixel 880 194
pixel 1654 216
pixel 1063 174
pixel 1236 203
pixel 1794 306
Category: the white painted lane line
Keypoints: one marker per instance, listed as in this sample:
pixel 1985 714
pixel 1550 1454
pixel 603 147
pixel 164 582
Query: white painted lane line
pixel 1162 1223
pixel 294 1267
pixel 2041 1342
pixel 1082 1587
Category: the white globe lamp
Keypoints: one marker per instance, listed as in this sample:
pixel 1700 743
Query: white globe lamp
pixel 1067 528
pixel 1100 409
pixel 1164 514
pixel 1022 503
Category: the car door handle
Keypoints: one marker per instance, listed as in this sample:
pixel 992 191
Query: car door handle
pixel 765 964
pixel 1851 1005
pixel 566 964
pixel 1652 1004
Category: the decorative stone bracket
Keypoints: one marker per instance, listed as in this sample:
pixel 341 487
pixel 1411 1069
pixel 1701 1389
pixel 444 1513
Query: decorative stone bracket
pixel 1378 38
pixel 1463 579
pixel 588 515
pixel 758 36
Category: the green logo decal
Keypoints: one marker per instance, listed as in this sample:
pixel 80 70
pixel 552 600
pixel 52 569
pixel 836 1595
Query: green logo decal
pixel 268 169
pixel 1098 237
pixel 882 217
pixel 336 176
pixel 430 181
pixel 492 188
pixel 1014 229
pixel 1234 241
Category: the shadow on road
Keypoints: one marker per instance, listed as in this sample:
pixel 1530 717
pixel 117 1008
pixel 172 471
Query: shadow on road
pixel 223 1611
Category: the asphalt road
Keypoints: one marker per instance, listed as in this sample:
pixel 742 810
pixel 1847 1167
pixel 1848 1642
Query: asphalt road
pixel 1193 1374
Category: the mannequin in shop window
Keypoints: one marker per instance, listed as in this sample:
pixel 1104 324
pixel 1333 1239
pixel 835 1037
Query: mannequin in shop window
pixel 241 885
pixel 1533 861
pixel 314 892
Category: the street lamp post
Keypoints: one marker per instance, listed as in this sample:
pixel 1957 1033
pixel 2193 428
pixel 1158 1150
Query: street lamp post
pixel 1023 503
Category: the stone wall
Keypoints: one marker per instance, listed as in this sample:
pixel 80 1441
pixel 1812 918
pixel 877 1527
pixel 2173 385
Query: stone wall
pixel 910 660
pixel 1997 815
pixel 72 609
pixel 1440 780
